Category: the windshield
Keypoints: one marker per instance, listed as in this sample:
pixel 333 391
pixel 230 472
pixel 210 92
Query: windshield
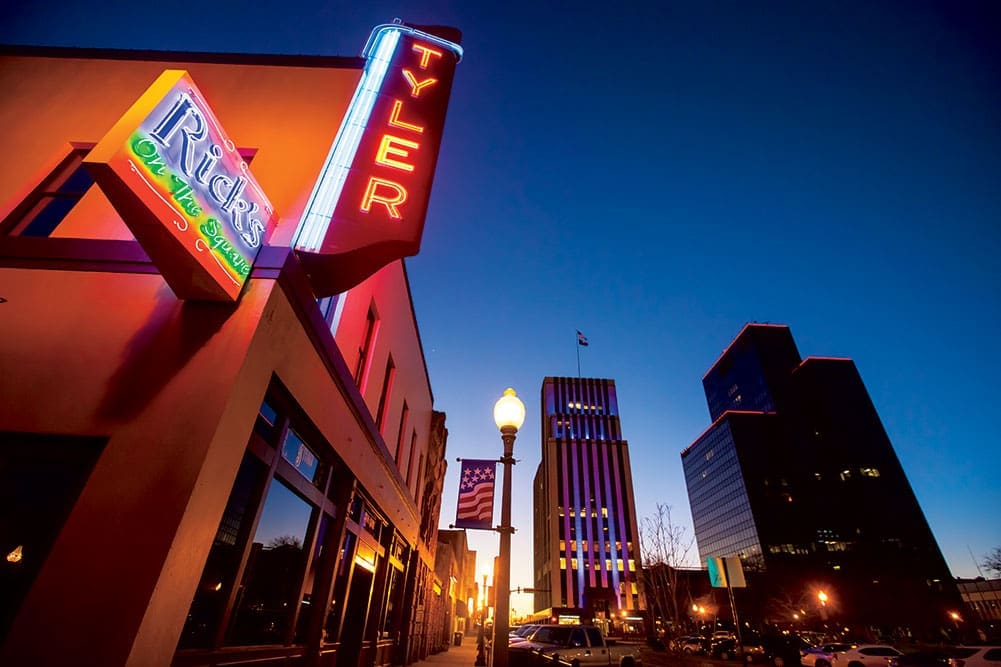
pixel 551 634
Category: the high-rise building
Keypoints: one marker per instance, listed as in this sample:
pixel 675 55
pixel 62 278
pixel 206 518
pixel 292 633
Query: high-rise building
pixel 797 476
pixel 587 551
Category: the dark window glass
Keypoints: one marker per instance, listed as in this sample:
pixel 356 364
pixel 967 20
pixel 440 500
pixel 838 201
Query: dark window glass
pixel 303 459
pixel 267 421
pixel 387 389
pixel 48 204
pixel 40 480
pixel 335 610
pixel 328 307
pixel 273 577
pixel 400 435
pixel 224 557
pixel 365 349
pixel 319 558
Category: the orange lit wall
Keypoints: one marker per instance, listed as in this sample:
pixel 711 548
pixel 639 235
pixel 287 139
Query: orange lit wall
pixel 95 347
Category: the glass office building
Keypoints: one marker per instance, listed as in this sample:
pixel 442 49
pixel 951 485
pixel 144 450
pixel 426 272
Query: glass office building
pixel 798 478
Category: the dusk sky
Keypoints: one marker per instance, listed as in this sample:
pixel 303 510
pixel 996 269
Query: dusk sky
pixel 657 175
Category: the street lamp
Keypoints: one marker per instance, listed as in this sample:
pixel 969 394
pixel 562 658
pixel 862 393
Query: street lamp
pixel 509 415
pixel 822 598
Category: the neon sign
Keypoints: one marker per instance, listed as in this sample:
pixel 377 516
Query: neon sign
pixel 369 205
pixel 184 190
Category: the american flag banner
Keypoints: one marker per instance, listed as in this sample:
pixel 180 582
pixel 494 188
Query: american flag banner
pixel 476 494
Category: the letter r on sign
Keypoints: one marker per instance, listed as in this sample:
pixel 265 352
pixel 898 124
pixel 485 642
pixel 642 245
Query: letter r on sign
pixel 389 194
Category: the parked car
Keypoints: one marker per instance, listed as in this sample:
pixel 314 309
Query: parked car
pixel 823 655
pixel 691 645
pixel 865 655
pixel 571 646
pixel 750 648
pixel 977 656
pixel 780 650
pixel 931 658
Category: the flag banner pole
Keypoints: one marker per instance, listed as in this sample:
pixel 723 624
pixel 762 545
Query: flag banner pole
pixel 578 356
pixel 475 507
pixel 581 342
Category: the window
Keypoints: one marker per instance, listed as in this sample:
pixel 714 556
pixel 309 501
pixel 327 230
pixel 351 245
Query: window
pixel 400 435
pixel 47 206
pixel 365 347
pixel 271 580
pixel 387 388
pixel 41 477
pixel 259 581
pixel 410 461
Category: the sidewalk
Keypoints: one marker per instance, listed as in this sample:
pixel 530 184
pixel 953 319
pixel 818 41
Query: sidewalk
pixel 455 656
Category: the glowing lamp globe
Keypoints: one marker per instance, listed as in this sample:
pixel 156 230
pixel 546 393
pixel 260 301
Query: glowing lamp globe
pixel 509 411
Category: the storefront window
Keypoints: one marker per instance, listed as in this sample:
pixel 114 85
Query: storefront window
pixel 41 477
pixel 273 577
pixel 224 558
pixel 332 624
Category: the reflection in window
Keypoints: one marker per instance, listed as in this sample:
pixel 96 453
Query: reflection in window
pixel 332 624
pixel 320 557
pixel 273 576
pixel 303 459
pixel 224 557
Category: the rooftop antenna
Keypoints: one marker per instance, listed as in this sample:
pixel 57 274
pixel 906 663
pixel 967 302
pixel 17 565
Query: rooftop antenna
pixel 975 561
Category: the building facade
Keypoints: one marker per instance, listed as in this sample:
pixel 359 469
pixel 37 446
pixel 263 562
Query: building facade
pixel 983 603
pixel 798 478
pixel 456 567
pixel 586 542
pixel 188 481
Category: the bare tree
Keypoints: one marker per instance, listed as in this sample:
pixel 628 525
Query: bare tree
pixel 665 548
pixel 284 541
pixel 992 561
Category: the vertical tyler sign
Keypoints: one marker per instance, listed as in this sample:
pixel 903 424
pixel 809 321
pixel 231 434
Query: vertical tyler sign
pixel 369 205
pixel 184 191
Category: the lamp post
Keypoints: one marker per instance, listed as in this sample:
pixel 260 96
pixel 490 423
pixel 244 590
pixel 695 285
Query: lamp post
pixel 509 415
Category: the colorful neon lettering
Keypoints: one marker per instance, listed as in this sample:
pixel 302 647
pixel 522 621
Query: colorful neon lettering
pixel 426 53
pixel 417 86
pixel 394 119
pixel 390 145
pixel 184 196
pixel 184 129
pixel 146 151
pixel 391 202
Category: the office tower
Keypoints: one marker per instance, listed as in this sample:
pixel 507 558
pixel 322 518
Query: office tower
pixel 587 551
pixel 797 476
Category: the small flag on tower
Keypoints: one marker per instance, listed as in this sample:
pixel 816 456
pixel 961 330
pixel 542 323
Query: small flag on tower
pixel 476 494
pixel 581 339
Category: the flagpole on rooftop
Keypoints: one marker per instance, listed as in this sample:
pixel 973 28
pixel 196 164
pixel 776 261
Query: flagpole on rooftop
pixel 577 345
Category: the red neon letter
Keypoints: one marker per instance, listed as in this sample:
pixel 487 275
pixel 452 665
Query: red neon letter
pixel 392 203
pixel 426 53
pixel 391 145
pixel 394 118
pixel 415 85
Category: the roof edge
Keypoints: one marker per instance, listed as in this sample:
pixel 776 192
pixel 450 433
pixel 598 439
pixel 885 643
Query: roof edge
pixel 276 59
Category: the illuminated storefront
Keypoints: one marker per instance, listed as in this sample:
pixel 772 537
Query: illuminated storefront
pixel 216 444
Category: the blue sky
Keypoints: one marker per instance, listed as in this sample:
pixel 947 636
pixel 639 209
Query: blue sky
pixel 657 175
